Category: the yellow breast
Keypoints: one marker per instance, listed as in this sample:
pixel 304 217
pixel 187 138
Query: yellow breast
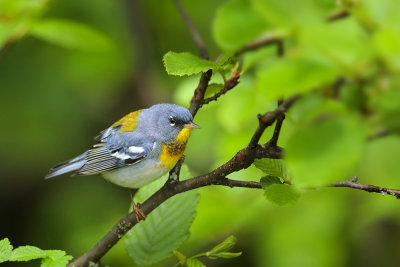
pixel 129 122
pixel 171 152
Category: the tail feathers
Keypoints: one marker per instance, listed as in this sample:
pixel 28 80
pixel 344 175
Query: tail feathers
pixel 67 166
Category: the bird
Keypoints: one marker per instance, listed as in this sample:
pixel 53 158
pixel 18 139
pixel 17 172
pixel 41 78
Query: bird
pixel 136 150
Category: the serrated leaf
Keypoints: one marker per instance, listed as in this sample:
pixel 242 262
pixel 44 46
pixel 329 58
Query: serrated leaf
pixel 185 64
pixel 55 254
pixel 272 167
pixel 56 262
pixel 225 245
pixel 163 231
pixel 26 253
pixel 269 180
pixel 281 194
pixel 191 262
pixel 70 34
pixel 236 24
pixel 225 255
pixel 5 250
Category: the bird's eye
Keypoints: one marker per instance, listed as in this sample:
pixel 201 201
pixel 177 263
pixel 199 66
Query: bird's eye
pixel 172 121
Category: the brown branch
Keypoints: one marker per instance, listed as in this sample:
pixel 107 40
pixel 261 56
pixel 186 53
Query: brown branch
pixel 198 96
pixel 268 119
pixel 338 15
pixel 378 134
pixel 263 42
pixel 192 29
pixel 236 183
pixel 279 121
pixel 229 84
pixel 352 183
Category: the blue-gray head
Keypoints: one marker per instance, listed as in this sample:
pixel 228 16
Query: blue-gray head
pixel 167 121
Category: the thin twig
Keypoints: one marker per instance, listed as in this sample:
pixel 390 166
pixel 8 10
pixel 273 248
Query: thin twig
pixel 269 118
pixel 352 183
pixel 198 96
pixel 192 29
pixel 378 134
pixel 274 139
pixel 263 42
pixel 338 15
pixel 229 84
pixel 237 183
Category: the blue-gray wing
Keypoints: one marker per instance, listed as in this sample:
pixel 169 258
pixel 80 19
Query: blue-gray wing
pixel 119 151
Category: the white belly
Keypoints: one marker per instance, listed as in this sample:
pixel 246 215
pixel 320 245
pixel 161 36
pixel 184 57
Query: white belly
pixel 137 175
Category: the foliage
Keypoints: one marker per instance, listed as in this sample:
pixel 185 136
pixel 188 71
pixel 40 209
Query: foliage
pixel 25 19
pixel 165 229
pixel 49 258
pixel 219 251
pixel 345 123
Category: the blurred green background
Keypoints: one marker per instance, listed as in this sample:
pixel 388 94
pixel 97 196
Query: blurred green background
pixel 54 100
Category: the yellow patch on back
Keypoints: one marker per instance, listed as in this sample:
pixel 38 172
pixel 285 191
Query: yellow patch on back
pixel 128 122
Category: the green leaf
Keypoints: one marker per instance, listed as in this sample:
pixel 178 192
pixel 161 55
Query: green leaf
pixel 225 245
pixel 182 258
pixel 376 14
pixel 348 51
pixel 387 45
pixel 224 58
pixel 61 261
pixel 269 180
pixel 163 231
pixel 272 167
pixel 225 255
pixel 237 24
pixel 185 64
pixel 56 254
pixel 287 76
pixel 290 14
pixel 388 108
pixel 259 56
pixel 16 18
pixel 191 262
pixel 26 253
pixel 325 146
pixel 5 250
pixel 281 194
pixel 213 88
pixel 70 34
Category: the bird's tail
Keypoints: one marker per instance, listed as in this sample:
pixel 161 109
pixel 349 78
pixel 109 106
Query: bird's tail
pixel 67 166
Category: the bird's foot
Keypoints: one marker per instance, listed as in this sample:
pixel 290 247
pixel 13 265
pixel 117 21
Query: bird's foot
pixel 140 216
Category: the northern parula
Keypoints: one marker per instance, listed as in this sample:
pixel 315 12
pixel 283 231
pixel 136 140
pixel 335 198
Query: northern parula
pixel 137 149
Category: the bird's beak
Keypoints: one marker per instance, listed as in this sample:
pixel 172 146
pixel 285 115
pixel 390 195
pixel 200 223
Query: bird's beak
pixel 192 126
